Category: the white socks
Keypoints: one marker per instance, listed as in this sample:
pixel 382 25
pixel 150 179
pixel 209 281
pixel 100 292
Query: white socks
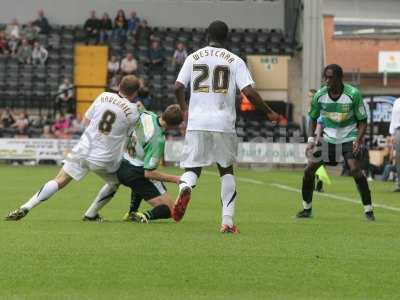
pixel 46 191
pixel 307 205
pixel 228 198
pixel 103 197
pixel 188 179
pixel 368 208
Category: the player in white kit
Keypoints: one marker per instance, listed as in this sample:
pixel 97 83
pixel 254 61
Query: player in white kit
pixel 110 120
pixel 214 73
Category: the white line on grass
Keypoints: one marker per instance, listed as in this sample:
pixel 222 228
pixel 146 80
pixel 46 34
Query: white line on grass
pixel 291 189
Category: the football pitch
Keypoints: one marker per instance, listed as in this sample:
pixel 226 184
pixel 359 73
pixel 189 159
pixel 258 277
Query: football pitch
pixel 52 254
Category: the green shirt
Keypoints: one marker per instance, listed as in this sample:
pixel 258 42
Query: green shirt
pixel 148 141
pixel 340 117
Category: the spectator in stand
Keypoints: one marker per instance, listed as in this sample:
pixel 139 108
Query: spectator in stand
pixel 12 29
pixel 29 32
pixel 113 65
pixel 179 56
pixel 39 54
pixel 77 127
pixel 92 28
pixel 156 56
pixel 7 119
pixel 143 32
pixel 120 27
pixel 47 134
pixel 129 64
pixel 13 44
pixel 105 28
pixel 3 44
pixel 21 124
pixel 42 23
pixel 61 126
pixel 65 97
pixel 24 53
pixel 133 23
pixel 144 97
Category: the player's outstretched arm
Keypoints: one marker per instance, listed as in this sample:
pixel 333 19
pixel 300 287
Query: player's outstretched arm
pixel 255 98
pixel 163 177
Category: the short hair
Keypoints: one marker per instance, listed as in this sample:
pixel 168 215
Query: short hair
pixel 172 115
pixel 129 85
pixel 336 69
pixel 218 31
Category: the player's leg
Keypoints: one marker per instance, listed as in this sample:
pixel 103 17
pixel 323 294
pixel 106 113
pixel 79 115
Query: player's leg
pixel 188 181
pixel 155 193
pixel 104 196
pixel 44 193
pixel 307 188
pixel 136 200
pixel 228 199
pixel 362 187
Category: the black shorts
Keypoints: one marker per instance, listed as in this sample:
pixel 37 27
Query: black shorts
pixel 332 154
pixel 133 177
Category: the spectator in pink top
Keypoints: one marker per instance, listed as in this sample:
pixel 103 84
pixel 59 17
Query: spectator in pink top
pixel 60 127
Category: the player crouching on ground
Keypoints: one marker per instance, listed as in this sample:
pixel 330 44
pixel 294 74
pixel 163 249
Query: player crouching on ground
pixel 138 167
pixel 110 119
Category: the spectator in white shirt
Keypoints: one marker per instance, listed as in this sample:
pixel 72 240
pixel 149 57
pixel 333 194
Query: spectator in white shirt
pixel 12 29
pixel 65 96
pixel 113 65
pixel 39 54
pixel 129 64
pixel 394 130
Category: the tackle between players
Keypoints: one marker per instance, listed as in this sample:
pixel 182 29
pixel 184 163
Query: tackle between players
pixel 138 168
pixel 110 119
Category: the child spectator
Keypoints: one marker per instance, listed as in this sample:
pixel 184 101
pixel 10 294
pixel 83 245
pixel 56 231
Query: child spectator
pixel 13 44
pixel 60 127
pixel 179 56
pixel 24 53
pixel 143 32
pixel 113 65
pixel 12 29
pixel 65 97
pixel 29 32
pixel 39 54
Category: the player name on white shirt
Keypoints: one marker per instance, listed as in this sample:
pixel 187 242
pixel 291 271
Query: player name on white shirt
pixel 214 74
pixel 112 117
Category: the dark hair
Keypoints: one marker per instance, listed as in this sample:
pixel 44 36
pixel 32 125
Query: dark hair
pixel 172 115
pixel 218 31
pixel 129 85
pixel 143 92
pixel 336 69
pixel 312 91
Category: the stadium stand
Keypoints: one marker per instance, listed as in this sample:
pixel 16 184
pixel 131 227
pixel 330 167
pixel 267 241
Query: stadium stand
pixel 26 86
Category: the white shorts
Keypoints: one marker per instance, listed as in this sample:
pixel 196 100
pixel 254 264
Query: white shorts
pixel 203 148
pixel 77 168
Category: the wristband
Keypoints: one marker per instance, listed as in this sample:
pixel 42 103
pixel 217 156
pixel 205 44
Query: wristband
pixel 311 140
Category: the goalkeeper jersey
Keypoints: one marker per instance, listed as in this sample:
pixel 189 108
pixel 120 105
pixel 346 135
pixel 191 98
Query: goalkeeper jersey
pixel 148 141
pixel 339 117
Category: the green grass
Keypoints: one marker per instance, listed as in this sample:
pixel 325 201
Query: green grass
pixel 337 255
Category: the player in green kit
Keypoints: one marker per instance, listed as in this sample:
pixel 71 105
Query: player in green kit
pixel 137 171
pixel 345 122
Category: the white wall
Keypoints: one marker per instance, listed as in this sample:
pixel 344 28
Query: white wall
pixel 364 9
pixel 178 13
